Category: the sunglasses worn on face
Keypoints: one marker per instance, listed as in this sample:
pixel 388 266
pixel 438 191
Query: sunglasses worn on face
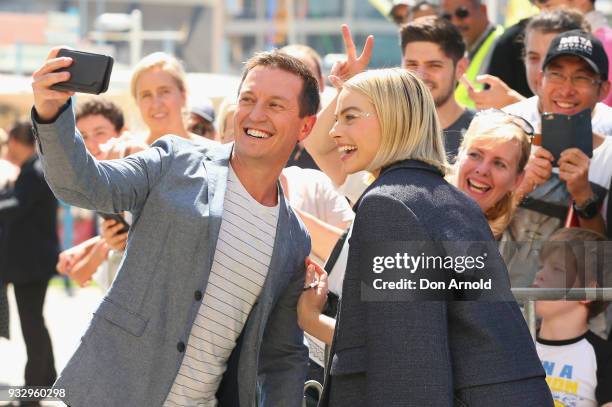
pixel 202 129
pixel 460 12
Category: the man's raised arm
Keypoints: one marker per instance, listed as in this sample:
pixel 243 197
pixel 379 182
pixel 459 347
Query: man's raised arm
pixel 72 173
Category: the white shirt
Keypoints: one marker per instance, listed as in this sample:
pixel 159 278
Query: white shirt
pixel 600 170
pixel 313 192
pixel 576 368
pixel 354 185
pixel 240 266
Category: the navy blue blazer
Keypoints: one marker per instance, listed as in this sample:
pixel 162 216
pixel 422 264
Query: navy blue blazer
pixel 421 353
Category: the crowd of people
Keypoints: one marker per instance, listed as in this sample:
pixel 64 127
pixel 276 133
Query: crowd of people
pixel 232 241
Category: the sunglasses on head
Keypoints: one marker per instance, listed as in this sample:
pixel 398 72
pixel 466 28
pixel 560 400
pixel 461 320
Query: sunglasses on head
pixel 518 121
pixel 460 12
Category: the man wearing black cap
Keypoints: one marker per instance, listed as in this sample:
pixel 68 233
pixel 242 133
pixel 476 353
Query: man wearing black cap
pixel 581 56
pixel 530 109
pixel 574 77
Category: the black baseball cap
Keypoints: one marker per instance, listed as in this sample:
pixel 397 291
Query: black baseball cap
pixel 580 44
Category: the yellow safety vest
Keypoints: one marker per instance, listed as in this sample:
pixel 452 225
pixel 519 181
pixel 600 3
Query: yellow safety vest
pixel 461 93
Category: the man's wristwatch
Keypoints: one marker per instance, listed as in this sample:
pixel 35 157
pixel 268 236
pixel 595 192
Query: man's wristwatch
pixel 589 209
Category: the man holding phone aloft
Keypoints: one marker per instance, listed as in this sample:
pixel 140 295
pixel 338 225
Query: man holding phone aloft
pixel 574 77
pixel 203 309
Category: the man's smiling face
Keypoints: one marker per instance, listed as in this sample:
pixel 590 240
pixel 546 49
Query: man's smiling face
pixel 561 94
pixel 267 122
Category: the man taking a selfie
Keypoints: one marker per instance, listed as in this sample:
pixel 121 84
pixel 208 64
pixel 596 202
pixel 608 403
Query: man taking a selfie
pixel 203 309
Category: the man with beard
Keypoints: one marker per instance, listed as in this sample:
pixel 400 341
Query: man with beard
pixel 433 49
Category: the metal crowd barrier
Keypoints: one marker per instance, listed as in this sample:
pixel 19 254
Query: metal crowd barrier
pixel 529 295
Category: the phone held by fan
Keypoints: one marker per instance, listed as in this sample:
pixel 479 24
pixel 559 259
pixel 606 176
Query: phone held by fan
pixel 561 131
pixel 117 218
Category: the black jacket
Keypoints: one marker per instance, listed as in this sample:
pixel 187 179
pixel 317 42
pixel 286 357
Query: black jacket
pixel 507 59
pixel 398 351
pixel 29 244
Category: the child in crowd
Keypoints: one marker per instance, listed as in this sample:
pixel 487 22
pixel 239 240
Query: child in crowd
pixel 577 362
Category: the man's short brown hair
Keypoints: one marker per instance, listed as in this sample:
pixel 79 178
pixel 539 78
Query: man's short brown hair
pixel 557 22
pixel 104 108
pixel 21 131
pixel 437 30
pixel 309 96
pixel 306 50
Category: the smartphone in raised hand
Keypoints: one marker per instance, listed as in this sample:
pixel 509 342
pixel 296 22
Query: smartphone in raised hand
pixel 89 73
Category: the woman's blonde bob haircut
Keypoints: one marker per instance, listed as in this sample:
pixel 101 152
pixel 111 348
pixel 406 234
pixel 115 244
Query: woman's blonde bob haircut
pixel 407 117
pixel 496 127
pixel 163 61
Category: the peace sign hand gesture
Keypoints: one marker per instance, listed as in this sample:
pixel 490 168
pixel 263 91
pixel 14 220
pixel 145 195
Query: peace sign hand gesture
pixel 344 70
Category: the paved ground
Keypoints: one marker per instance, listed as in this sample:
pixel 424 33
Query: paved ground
pixel 66 317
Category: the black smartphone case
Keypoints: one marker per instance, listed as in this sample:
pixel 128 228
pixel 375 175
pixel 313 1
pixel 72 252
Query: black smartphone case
pixel 117 218
pixel 89 73
pixel 560 132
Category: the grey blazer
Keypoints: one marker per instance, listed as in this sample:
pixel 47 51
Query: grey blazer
pixel 133 348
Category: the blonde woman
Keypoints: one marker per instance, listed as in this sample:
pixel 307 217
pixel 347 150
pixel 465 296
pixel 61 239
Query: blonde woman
pixel 159 88
pixel 491 164
pixel 406 349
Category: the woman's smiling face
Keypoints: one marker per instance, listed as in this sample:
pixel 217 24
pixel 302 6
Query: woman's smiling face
pixel 160 101
pixel 488 170
pixel 356 132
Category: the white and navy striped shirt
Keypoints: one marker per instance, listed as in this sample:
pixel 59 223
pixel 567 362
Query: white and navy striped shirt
pixel 240 265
